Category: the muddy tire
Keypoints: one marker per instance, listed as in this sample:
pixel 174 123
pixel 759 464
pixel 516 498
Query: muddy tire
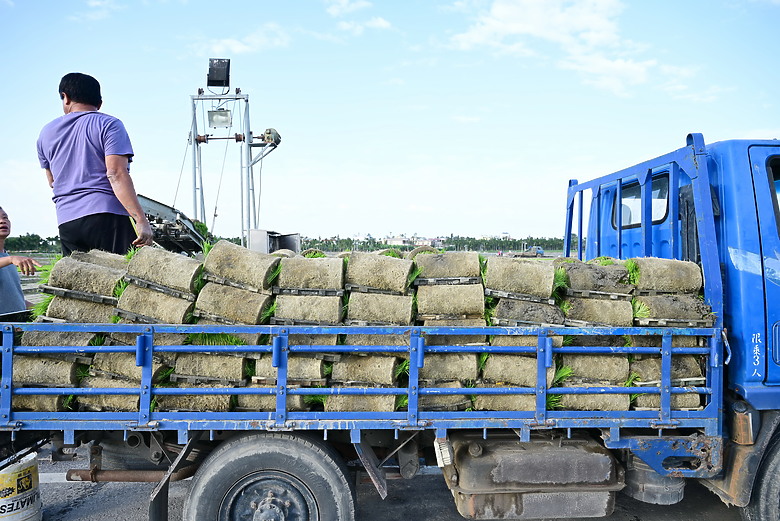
pixel 765 500
pixel 287 476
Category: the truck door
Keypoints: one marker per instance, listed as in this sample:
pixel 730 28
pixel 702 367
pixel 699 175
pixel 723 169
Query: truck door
pixel 765 168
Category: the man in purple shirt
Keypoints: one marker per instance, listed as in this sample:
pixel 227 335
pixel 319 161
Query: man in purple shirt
pixel 86 156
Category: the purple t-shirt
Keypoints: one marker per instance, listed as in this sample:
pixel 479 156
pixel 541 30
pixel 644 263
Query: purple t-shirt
pixel 74 147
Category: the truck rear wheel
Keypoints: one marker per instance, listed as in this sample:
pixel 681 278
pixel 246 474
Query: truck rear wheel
pixel 765 500
pixel 274 475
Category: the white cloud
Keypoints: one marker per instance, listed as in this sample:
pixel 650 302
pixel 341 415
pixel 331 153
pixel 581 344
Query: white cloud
pixel 97 10
pixel 9 3
pixel 268 36
pixel 358 28
pixel 342 7
pixel 585 31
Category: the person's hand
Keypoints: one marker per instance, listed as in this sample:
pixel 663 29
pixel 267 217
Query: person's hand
pixel 25 264
pixel 145 234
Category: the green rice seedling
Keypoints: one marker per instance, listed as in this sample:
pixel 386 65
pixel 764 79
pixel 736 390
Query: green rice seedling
pixel 314 400
pixel 213 339
pixel 567 260
pixel 250 369
pixel 553 401
pixel 344 304
pixel 401 401
pixel 633 271
pixel 165 375
pixel 483 358
pixel 115 319
pixel 40 308
pixel 201 228
pixel 568 340
pixel 315 255
pixel 267 313
pixel 602 261
pixel 69 402
pixel 413 275
pixel 640 309
pixel 560 283
pixel 206 247
pixel 44 272
pixel 274 274
pixel 561 374
pixel 199 281
pixel 483 268
pixel 120 288
pixel 327 369
pixel 632 379
pixel 627 342
pixel 392 252
pixel 131 253
pixel 565 306
pixel 98 340
pixel 82 371
pixel 402 369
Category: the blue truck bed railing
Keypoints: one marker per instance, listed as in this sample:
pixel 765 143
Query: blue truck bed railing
pixel 705 420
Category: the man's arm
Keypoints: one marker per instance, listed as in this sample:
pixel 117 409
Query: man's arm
pixel 25 264
pixel 50 177
pixel 122 184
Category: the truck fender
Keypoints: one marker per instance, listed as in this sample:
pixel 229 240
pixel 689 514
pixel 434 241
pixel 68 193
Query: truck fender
pixel 742 463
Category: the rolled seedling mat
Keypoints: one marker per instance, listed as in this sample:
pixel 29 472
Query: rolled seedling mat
pixel 455 301
pixel 513 371
pixel 38 402
pixel 448 265
pixel 656 341
pixel 523 340
pixel 102 258
pixel 72 310
pixel 360 403
pixel 108 402
pixel 598 367
pixel 683 366
pixel 379 271
pixel 440 340
pixel 380 340
pixel 212 366
pixel 678 401
pixel 160 339
pixel 165 268
pixel 375 369
pixel 195 402
pixel 238 264
pixel 450 366
pixel 378 308
pixel 598 341
pixel 526 311
pixel 155 305
pixel 309 308
pixel 524 276
pixel 668 275
pixel 312 273
pixel 284 253
pixel 38 370
pixel 234 304
pixel 617 313
pixel 674 307
pixel 69 273
pixel 299 367
pixel 122 365
pixel 246 338
pixel 389 252
pixel 411 255
pixel 267 402
pixel 448 402
pixel 594 402
pixel 57 338
pixel 612 278
pixel 313 340
pixel 503 402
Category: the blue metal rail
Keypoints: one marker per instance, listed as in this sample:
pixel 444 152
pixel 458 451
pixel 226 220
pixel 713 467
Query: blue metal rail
pixel 707 420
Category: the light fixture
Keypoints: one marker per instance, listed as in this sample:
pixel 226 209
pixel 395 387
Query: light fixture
pixel 221 118
pixel 219 73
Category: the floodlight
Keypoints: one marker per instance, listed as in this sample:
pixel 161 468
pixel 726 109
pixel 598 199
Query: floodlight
pixel 220 118
pixel 219 73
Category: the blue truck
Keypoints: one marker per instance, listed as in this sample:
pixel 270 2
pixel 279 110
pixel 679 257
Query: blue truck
pixel 716 205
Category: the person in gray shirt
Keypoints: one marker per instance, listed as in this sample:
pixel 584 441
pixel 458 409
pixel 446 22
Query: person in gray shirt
pixel 11 296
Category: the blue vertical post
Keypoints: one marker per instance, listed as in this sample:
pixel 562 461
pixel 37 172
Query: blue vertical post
pixel 7 375
pixel 674 209
pixel 646 204
pixel 597 202
pixel 666 376
pixel 580 241
pixel 544 360
pixel 279 353
pixel 569 218
pixel 619 217
pixel 416 362
pixel 143 359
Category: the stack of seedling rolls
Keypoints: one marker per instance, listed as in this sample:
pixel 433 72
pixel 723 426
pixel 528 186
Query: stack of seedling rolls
pixel 450 294
pixel 82 291
pixel 667 294
pixel 379 295
pixel 519 292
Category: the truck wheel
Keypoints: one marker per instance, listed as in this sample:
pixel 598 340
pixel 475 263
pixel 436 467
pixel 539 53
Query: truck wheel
pixel 765 500
pixel 271 476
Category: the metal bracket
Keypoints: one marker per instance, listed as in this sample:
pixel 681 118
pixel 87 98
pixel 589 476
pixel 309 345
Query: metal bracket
pixel 370 463
pixel 158 501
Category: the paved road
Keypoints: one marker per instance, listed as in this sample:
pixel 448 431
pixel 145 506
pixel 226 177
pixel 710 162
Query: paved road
pixel 423 498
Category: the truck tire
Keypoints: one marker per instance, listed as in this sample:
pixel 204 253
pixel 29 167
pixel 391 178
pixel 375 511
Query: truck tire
pixel 765 499
pixel 285 475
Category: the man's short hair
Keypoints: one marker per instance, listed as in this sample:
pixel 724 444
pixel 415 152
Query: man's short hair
pixel 81 88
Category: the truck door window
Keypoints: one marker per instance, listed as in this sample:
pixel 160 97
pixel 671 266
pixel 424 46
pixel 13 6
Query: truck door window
pixel 632 203
pixel 773 169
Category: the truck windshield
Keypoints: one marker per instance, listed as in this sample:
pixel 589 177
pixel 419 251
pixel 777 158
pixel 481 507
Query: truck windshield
pixel 632 203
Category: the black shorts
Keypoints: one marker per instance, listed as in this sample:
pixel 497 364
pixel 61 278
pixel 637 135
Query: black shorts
pixel 102 231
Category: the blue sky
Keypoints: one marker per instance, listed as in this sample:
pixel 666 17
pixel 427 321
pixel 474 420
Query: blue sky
pixel 430 117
